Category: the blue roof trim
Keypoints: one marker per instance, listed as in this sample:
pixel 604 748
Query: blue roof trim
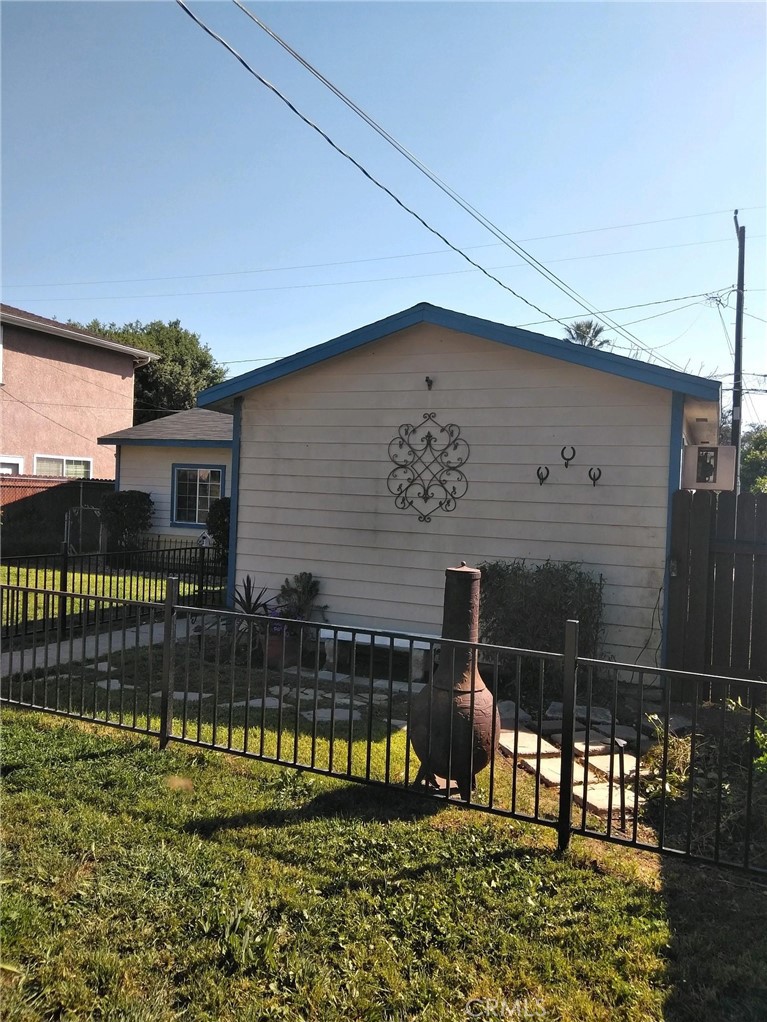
pixel 539 344
pixel 165 443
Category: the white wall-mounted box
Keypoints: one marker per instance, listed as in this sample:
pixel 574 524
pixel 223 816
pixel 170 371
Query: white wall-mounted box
pixel 708 467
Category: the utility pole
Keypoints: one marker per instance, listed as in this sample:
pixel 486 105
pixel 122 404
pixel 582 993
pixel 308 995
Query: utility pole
pixel 737 386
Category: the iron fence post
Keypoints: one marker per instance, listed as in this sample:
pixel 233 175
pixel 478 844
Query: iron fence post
pixel 570 667
pixel 168 660
pixel 63 587
pixel 201 576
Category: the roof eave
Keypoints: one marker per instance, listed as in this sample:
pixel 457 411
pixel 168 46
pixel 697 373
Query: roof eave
pixel 139 355
pixel 222 394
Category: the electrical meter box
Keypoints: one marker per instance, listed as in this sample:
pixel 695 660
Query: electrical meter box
pixel 708 467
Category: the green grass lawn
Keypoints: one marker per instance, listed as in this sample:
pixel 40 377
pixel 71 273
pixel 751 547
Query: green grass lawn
pixel 118 586
pixel 145 886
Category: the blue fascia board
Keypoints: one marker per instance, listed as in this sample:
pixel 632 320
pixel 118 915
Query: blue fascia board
pixel 234 503
pixel 540 344
pixel 128 442
pixel 676 443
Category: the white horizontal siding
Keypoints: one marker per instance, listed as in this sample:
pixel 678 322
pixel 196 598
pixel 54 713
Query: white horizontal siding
pixel 314 467
pixel 150 469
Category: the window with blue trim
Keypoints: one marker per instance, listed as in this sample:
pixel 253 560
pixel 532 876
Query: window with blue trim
pixel 195 487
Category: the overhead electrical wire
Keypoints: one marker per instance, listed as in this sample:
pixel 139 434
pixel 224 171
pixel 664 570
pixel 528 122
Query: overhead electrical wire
pixel 272 88
pixel 48 417
pixel 370 259
pixel 443 186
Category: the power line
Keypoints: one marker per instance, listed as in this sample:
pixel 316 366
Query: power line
pixel 351 159
pixel 442 185
pixel 371 259
pixel 61 425
pixel 90 383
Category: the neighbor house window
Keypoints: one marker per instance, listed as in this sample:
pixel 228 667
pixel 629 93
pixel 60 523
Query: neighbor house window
pixel 195 487
pixel 10 465
pixel 67 468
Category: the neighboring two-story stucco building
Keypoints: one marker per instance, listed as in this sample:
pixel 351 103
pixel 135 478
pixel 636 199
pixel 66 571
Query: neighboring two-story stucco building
pixel 60 389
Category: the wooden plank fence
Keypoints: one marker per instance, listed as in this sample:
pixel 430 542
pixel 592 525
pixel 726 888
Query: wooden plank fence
pixel 717 595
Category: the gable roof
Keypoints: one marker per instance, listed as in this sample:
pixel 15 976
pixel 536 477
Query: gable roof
pixel 28 320
pixel 566 351
pixel 196 427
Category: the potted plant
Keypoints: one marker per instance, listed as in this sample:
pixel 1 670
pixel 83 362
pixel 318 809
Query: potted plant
pixel 265 637
pixel 297 600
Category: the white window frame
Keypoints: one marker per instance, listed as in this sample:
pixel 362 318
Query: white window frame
pixel 16 459
pixel 175 468
pixel 65 458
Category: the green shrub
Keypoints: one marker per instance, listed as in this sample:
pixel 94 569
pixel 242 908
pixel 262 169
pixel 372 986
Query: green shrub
pixel 526 605
pixel 218 522
pixel 126 514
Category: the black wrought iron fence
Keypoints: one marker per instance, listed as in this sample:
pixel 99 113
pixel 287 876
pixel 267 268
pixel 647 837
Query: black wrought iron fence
pixel 584 746
pixel 135 576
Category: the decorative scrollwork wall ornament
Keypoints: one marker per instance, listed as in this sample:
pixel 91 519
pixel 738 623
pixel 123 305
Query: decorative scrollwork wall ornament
pixel 428 459
pixel 543 473
pixel 595 474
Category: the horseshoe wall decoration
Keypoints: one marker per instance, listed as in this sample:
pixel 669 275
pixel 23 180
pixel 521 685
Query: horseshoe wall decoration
pixel 567 458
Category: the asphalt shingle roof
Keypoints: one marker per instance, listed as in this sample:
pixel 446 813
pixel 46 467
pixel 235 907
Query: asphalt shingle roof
pixel 194 424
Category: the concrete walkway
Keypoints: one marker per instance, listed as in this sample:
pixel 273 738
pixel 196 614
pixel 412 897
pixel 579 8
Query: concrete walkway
pixel 88 648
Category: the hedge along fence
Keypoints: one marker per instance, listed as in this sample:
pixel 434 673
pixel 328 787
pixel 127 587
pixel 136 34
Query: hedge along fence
pixel 523 605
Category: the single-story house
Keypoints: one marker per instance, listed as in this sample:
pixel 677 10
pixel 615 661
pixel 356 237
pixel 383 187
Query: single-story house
pixel 182 461
pixel 381 457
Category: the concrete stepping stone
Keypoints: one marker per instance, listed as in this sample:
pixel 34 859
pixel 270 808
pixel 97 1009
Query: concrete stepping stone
pixel 269 703
pixel 628 734
pixel 580 736
pixel 550 727
pixel 602 764
pixel 550 771
pixel 526 743
pixel 596 747
pixel 598 797
pixel 325 714
pixel 112 684
pixel 599 714
pixel 342 700
pixel 191 697
pixel 380 698
pixel 507 709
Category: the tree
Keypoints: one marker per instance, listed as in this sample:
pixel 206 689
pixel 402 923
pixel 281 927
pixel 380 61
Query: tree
pixel 753 460
pixel 170 383
pixel 753 453
pixel 588 333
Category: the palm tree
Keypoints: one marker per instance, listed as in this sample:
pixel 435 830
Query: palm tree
pixel 588 333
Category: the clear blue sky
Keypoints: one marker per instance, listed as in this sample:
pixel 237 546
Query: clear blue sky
pixel 134 148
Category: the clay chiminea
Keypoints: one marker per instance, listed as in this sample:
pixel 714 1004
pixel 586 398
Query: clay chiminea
pixel 454 723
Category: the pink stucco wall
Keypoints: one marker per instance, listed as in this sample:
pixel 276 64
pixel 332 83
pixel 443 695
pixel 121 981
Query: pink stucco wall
pixel 58 396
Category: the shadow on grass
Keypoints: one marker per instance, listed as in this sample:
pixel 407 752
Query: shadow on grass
pixel 354 802
pixel 717 956
pixel 6 769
